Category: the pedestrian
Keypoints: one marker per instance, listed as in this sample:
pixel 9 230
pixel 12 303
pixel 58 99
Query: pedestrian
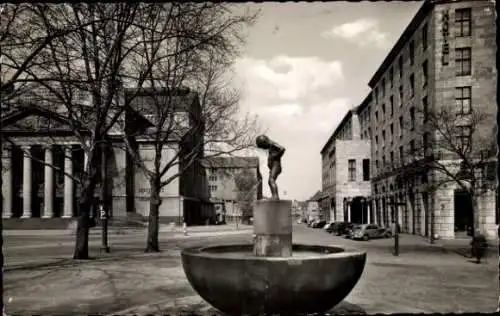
pixel 478 245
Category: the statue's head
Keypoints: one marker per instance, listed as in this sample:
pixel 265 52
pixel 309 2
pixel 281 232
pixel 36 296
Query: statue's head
pixel 262 141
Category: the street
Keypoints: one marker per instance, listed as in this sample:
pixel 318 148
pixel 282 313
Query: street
pixel 41 278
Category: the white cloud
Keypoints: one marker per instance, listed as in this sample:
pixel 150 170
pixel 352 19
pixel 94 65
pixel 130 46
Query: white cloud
pixel 363 32
pixel 299 100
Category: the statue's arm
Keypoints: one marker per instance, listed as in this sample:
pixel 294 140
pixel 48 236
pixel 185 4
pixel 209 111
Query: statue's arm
pixel 280 148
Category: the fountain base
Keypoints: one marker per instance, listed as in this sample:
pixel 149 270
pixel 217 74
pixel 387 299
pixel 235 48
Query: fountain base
pixel 235 281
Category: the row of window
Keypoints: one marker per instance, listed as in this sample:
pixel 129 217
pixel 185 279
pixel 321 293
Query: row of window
pixel 462 107
pixel 463 55
pixel 351 167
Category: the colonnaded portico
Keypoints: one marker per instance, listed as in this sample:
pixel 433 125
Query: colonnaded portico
pixel 47 187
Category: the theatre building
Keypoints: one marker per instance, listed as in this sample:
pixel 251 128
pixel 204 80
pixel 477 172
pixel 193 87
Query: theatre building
pixel 346 171
pixel 446 56
pixel 43 160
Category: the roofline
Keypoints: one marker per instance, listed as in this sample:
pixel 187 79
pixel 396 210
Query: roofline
pixel 337 130
pixel 364 103
pixel 427 6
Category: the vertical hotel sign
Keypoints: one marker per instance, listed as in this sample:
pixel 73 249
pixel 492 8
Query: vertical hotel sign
pixel 445 22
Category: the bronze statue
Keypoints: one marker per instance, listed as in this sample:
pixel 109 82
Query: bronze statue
pixel 275 152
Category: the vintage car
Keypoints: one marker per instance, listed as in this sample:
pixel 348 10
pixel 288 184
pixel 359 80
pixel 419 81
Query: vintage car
pixel 369 231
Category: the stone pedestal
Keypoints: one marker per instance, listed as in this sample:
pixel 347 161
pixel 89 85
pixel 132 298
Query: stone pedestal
pixel 272 224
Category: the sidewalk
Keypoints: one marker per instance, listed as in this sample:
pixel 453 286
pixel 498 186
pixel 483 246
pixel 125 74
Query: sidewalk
pixel 198 230
pixel 459 246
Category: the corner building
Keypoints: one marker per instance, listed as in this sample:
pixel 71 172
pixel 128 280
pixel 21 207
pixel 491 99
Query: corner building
pixel 346 170
pixel 445 56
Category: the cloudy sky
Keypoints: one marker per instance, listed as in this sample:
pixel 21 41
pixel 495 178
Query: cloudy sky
pixel 304 66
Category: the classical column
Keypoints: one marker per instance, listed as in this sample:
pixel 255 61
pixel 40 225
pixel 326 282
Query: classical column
pixel 349 211
pixel 48 186
pixel 68 183
pixel 27 181
pixel 7 181
pixel 368 211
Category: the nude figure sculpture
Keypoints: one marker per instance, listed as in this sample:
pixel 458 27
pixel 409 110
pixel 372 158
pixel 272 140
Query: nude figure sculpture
pixel 275 152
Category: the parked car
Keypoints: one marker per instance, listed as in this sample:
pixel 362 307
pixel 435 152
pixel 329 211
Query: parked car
pixel 320 223
pixel 340 228
pixel 328 225
pixel 350 230
pixel 369 231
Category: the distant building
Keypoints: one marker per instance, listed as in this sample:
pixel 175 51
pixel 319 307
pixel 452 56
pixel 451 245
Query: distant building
pixel 221 172
pixel 313 209
pixel 346 171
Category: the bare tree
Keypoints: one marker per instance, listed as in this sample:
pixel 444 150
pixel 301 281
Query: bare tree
pixel 79 76
pixel 188 125
pixel 452 145
pixel 246 189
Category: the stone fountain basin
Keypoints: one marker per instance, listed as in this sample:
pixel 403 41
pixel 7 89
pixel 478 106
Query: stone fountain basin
pixel 233 280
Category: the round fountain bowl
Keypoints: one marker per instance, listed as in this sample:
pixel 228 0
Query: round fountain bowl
pixel 233 280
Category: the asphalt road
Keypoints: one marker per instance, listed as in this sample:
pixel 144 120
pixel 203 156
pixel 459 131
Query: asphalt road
pixel 422 279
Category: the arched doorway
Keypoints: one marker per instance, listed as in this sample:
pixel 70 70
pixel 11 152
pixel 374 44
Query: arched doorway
pixel 464 216
pixel 358 212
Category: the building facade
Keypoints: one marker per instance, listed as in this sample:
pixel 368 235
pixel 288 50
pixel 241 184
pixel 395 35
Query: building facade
pixel 225 193
pixel 446 56
pixel 43 163
pixel 313 209
pixel 346 170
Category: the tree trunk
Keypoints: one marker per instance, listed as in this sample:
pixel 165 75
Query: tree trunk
pixel 84 205
pixel 475 210
pixel 82 230
pixel 153 220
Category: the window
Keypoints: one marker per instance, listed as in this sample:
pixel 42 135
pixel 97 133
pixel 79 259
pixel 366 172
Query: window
pixel 212 188
pixel 391 104
pixel 376 139
pixel 425 140
pixel 463 100
pixel 412 53
pixel 400 64
pixel 425 107
pixel 463 61
pixel 412 118
pixel 376 116
pixel 391 77
pixel 391 156
pixel 352 169
pixel 463 22
pixel 366 169
pixel 383 110
pixel 401 154
pixel 212 177
pixel 382 86
pixel 400 127
pixel 412 148
pixel 412 85
pixel 383 138
pixel 400 96
pixel 464 136
pixel 391 131
pixel 376 164
pixel 424 37
pixel 424 73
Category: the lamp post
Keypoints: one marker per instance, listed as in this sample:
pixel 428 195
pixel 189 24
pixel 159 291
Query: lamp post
pixel 393 204
pixel 103 210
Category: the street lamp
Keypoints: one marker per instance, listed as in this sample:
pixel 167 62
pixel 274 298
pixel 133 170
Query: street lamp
pixel 393 204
